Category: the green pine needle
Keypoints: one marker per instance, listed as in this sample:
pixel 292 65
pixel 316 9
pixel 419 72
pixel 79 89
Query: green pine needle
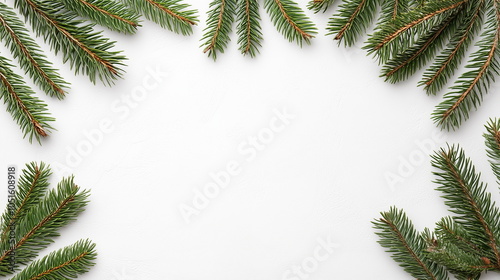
pixel 319 5
pixel 173 15
pixel 28 111
pixel 111 14
pixel 492 137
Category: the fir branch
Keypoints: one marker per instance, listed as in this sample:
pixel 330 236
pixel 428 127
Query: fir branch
pixel 170 14
pixel 467 198
pixel 87 51
pixel 404 64
pixel 468 90
pixel 111 14
pixel 219 23
pixel 382 42
pixel 319 5
pixel 398 235
pixel 28 53
pixel 66 263
pixel 352 19
pixel 290 20
pixel 248 29
pixel 470 20
pixel 31 187
pixel 492 139
pixel 29 112
pixel 41 224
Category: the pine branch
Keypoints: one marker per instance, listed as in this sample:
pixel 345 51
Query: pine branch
pixel 470 20
pixel 16 37
pixel 111 14
pixel 248 29
pixel 467 198
pixel 87 51
pixel 170 14
pixel 405 64
pixel 352 20
pixel 398 235
pixel 29 112
pixel 319 5
pixel 41 224
pixel 468 90
pixel 290 20
pixel 219 25
pixel 382 42
pixel 492 137
pixel 31 188
pixel 66 263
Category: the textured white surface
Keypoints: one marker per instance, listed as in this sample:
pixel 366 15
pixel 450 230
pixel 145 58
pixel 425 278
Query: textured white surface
pixel 321 177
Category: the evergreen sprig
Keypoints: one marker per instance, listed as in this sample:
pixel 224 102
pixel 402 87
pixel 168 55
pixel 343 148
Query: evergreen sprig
pixel 286 15
pixel 465 244
pixel 32 220
pixel 409 34
pixel 68 26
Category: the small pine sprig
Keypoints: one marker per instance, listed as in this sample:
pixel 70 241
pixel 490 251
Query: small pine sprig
pixel 87 50
pixel 65 263
pixel 398 235
pixel 111 14
pixel 16 37
pixel 32 220
pixel 29 112
pixel 219 25
pixel 466 244
pixel 286 15
pixel 173 15
pixel 248 29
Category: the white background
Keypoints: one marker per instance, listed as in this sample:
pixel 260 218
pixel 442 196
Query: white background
pixel 322 176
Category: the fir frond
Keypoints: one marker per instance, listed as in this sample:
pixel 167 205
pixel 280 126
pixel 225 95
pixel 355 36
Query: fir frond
pixel 248 29
pixel 36 230
pixel 468 90
pixel 31 59
pixel 319 5
pixel 66 263
pixel 86 50
pixel 111 14
pixel 219 25
pixel 290 20
pixel 352 19
pixel 469 20
pixel 173 15
pixel 31 188
pixel 467 198
pixel 406 63
pixel 383 42
pixel 407 247
pixel 28 111
pixel 492 137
